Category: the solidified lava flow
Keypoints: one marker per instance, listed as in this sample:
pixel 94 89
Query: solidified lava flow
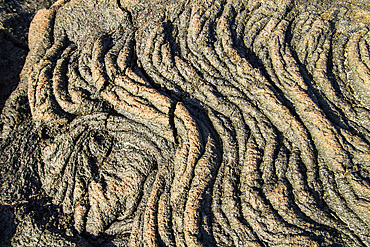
pixel 190 123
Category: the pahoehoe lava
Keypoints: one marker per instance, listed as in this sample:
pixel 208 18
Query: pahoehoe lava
pixel 190 123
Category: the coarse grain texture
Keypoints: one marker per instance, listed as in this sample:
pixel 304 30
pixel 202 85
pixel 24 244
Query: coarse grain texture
pixel 190 123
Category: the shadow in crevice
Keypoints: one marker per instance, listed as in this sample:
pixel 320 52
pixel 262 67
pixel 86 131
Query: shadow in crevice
pixel 7 225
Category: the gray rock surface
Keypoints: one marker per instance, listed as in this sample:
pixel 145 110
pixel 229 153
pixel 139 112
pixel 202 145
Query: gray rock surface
pixel 15 17
pixel 189 123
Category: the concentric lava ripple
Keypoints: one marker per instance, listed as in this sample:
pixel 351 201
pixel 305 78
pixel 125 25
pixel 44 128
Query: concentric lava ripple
pixel 201 123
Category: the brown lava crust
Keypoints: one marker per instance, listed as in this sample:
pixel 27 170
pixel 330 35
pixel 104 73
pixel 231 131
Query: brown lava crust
pixel 190 123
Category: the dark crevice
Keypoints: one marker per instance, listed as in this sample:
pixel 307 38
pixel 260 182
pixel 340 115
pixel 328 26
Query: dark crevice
pixel 171 116
pixel 12 40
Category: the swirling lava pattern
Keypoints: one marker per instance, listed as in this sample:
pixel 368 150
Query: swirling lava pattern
pixel 205 123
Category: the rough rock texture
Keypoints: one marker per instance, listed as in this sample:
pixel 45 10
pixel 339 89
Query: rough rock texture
pixel 190 123
pixel 15 17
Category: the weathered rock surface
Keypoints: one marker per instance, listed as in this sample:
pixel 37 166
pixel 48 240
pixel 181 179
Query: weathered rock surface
pixel 15 17
pixel 190 123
